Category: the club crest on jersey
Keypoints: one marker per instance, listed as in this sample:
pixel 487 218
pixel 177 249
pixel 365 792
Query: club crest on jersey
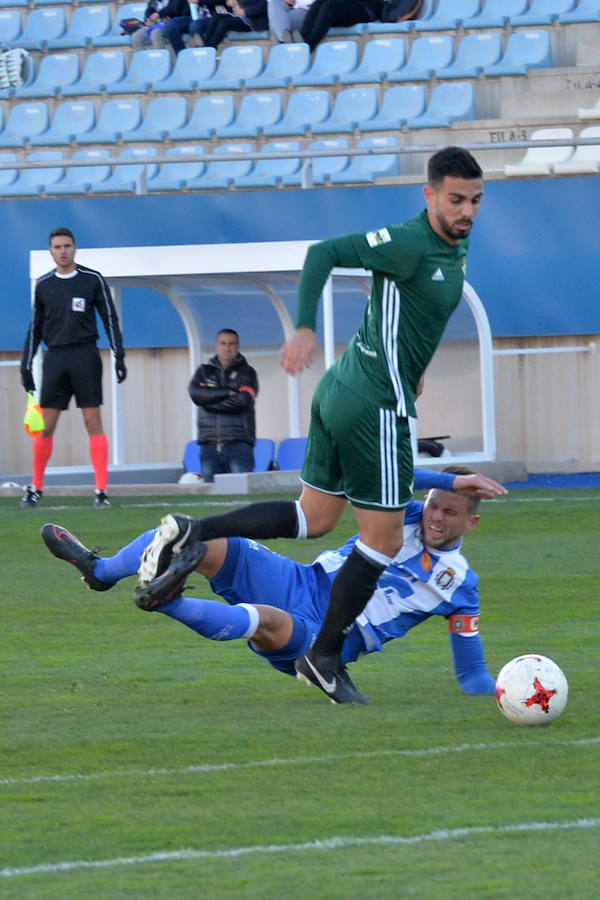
pixel 445 579
pixel 78 304
pixel 374 238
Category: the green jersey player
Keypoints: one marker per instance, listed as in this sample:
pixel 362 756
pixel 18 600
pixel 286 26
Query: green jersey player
pixel 359 446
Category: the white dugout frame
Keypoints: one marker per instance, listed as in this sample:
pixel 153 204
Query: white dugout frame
pixel 172 269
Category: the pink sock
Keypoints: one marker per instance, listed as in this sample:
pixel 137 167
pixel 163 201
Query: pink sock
pixel 99 457
pixel 42 451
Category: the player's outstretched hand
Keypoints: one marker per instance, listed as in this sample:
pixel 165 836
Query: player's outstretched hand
pixel 477 485
pixel 299 352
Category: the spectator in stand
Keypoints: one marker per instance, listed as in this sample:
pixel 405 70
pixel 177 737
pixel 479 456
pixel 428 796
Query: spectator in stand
pixel 326 14
pixel 193 24
pixel 224 390
pixel 158 12
pixel 285 17
pixel 250 17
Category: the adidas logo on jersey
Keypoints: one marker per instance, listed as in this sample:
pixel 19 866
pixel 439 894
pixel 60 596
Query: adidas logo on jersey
pixel 438 275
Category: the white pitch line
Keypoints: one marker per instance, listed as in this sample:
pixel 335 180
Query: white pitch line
pixel 334 843
pixel 292 761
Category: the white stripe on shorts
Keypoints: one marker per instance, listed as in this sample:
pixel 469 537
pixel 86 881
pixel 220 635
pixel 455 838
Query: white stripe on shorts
pixel 390 311
pixel 388 454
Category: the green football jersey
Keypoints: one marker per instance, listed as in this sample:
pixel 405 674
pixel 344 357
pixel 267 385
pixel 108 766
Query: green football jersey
pixel 417 284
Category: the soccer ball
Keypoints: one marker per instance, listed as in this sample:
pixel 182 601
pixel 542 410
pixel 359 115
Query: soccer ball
pixel 531 690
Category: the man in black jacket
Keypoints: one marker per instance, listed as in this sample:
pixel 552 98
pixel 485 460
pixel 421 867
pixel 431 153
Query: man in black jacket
pixel 158 12
pixel 224 390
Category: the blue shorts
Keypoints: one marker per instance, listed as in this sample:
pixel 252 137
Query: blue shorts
pixel 253 574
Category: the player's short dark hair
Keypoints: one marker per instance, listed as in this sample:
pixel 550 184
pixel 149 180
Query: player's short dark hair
pixel 453 161
pixel 472 502
pixel 61 232
pixel 229 331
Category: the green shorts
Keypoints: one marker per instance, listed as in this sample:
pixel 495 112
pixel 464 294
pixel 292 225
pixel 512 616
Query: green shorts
pixel 357 449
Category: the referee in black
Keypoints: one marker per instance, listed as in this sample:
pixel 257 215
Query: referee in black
pixel 64 317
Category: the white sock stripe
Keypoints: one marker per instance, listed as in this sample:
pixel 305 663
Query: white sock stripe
pixel 302 526
pixel 380 558
pixel 254 619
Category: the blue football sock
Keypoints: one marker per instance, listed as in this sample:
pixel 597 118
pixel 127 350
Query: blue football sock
pixel 126 562
pixel 214 620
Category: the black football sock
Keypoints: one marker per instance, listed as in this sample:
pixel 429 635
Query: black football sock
pixel 352 588
pixel 262 521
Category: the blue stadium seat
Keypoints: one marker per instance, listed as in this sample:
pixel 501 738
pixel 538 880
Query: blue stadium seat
pixel 102 68
pixel 220 174
pixel 193 64
pixel 7 176
pixel 79 179
pixel 402 27
pixel 51 2
pixel 114 38
pixel 352 105
pixel 543 12
pixel 539 160
pixel 162 115
pixel 42 26
pixel 248 36
pixel 172 176
pixel 264 454
pixel 256 111
pixel 474 52
pixel 332 59
pixel 339 31
pixel 426 55
pixel 209 113
pixel 406 101
pixel 71 118
pixel 124 179
pixel 269 172
pixel 380 56
pixel 16 3
pixel 323 167
pixel 587 11
pixel 10 26
pixel 524 50
pixel 290 453
pixel 24 121
pixel 284 62
pixel 56 71
pixel 365 169
pixel 496 13
pixel 147 68
pixel 31 182
pixel 448 15
pixel 585 159
pixel 116 117
pixel 449 103
pixel 304 109
pixel 87 22
pixel 191 457
pixel 235 66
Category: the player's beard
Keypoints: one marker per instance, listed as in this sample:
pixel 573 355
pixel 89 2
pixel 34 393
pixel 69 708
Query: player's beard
pixel 452 231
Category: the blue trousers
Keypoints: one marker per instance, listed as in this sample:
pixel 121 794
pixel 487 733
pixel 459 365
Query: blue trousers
pixel 218 459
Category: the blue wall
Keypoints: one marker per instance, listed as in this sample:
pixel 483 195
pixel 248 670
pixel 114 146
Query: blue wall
pixel 533 260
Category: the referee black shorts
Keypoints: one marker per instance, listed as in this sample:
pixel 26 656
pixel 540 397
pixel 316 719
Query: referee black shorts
pixel 74 370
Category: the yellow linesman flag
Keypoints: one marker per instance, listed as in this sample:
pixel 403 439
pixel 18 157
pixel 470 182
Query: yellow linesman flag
pixel 34 418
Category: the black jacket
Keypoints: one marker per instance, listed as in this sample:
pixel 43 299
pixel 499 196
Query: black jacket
pixel 225 401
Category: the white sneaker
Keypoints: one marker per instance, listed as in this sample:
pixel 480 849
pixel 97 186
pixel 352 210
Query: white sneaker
pixel 171 537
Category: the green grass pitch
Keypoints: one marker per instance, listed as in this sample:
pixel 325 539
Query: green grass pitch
pixel 139 760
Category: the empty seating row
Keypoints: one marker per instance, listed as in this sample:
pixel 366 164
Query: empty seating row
pixel 562 160
pixel 196 68
pixel 289 455
pixel 450 14
pixel 96 172
pixel 214 116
